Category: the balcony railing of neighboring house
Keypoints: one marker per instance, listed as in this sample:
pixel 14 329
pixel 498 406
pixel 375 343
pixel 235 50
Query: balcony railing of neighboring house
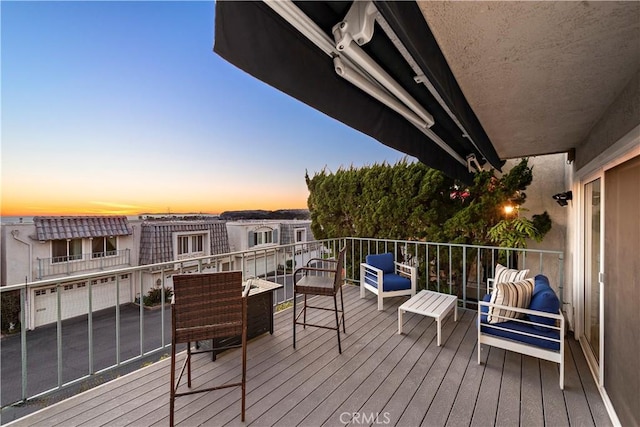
pixel 109 340
pixel 53 266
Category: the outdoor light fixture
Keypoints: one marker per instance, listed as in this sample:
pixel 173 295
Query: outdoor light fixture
pixel 562 198
pixel 509 209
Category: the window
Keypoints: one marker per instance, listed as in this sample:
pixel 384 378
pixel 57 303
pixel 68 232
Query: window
pixel 262 237
pixel 103 246
pixel 68 287
pixel 197 243
pixel 301 235
pixel 41 292
pixel 191 245
pixel 66 250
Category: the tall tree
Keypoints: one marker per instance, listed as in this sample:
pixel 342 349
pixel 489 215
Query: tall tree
pixel 410 201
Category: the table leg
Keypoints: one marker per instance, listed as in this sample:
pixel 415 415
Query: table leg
pixel 455 312
pixel 400 314
pixel 438 321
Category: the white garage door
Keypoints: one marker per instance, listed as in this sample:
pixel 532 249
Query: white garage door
pixel 74 299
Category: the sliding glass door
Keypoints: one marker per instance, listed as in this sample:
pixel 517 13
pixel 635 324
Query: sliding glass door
pixel 592 266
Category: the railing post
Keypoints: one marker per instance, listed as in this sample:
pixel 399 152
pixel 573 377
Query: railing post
pixel 59 333
pixel 118 324
pixel 142 315
pixel 464 276
pixel 23 340
pixel 427 266
pixel 561 278
pixel 90 327
pixel 450 278
pixel 162 297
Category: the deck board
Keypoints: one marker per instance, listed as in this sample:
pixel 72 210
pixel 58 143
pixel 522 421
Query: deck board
pixel 389 378
pixel 487 403
pixel 450 385
pixel 415 411
pixel 598 411
pixel 577 406
pixel 531 413
pixel 510 389
pixel 553 403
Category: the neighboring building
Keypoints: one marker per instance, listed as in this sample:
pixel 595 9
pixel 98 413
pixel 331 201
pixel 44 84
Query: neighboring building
pixel 53 247
pixel 59 247
pixel 164 240
pixel 261 236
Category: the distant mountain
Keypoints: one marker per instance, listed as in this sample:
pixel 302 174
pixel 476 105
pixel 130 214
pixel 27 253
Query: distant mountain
pixel 262 214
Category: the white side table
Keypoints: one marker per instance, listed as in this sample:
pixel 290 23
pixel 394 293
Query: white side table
pixel 432 304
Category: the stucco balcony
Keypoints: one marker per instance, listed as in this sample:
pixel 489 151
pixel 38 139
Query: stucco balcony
pixel 381 377
pixel 58 266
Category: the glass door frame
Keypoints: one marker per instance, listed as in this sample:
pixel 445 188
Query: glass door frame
pixel 596 365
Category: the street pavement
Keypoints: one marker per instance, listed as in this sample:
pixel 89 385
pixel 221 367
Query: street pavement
pixel 42 355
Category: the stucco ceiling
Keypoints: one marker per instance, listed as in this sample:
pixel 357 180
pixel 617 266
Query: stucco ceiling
pixel 539 75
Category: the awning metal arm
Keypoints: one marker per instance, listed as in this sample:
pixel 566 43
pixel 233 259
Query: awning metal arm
pixel 355 66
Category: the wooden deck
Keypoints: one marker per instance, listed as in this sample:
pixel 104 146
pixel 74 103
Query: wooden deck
pixel 380 378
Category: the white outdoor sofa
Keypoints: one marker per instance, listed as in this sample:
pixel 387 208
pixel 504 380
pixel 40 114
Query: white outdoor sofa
pixel 539 333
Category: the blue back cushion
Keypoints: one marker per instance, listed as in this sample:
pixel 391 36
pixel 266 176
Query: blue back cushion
pixel 485 309
pixel 543 299
pixel 540 283
pixel 382 261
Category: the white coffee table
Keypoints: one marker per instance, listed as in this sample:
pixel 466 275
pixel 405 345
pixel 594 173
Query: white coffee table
pixel 432 304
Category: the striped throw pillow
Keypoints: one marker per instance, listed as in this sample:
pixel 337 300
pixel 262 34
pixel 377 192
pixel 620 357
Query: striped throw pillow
pixel 504 274
pixel 512 294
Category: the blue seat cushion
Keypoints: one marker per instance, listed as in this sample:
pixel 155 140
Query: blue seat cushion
pixel 390 282
pixel 382 261
pixel 394 282
pixel 512 327
pixel 545 300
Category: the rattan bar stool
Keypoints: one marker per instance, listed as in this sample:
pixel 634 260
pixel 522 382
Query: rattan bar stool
pixel 207 306
pixel 319 281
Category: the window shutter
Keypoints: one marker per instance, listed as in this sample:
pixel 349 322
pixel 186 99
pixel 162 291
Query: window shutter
pixel 275 235
pixel 251 239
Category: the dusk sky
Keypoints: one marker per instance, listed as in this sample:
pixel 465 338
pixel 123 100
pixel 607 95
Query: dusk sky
pixel 123 108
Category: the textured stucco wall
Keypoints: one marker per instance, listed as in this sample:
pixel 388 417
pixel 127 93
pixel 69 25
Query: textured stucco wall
pixel 15 256
pixel 550 176
pixel 622 116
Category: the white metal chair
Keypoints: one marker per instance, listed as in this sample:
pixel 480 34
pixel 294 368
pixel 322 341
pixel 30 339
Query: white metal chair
pixel 386 278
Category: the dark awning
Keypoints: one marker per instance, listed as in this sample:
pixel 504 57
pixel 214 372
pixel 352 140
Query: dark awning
pixel 77 227
pixel 256 39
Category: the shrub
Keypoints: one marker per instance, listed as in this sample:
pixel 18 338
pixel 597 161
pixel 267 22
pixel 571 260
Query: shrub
pixel 10 311
pixel 154 296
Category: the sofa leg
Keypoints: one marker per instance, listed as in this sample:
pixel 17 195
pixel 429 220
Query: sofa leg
pixel 380 303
